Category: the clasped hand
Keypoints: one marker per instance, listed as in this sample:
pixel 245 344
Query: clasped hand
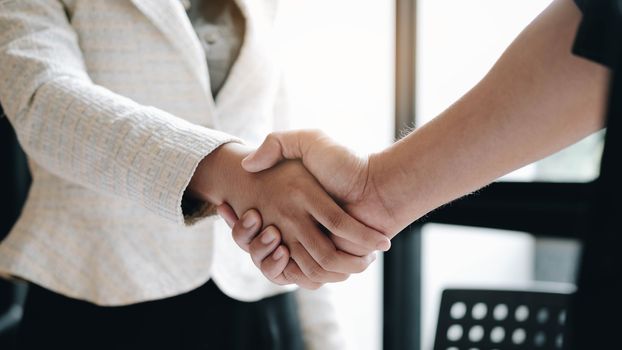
pixel 321 242
pixel 291 248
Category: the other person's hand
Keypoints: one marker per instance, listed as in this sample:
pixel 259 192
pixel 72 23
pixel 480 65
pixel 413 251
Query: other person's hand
pixel 346 177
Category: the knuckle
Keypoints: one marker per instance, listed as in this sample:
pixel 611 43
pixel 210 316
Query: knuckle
pixel 296 192
pixel 238 237
pixel 336 220
pixel 317 273
pixel 328 261
pixel 271 230
pixel 342 277
pixel 256 260
pixel 280 281
pixel 254 247
pixel 361 265
pixel 279 278
pixel 268 270
pixel 242 243
pixel 370 236
pixel 313 133
pixel 296 276
pixel 291 275
pixel 272 137
pixel 296 248
pixel 313 286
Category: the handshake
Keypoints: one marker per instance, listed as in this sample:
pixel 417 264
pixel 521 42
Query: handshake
pixel 311 211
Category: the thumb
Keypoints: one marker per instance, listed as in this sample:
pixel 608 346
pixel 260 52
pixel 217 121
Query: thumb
pixel 276 147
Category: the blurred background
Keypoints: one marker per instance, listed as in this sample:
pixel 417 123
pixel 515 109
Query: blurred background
pixel 340 59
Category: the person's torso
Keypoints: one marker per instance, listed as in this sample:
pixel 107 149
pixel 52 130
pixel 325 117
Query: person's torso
pixel 110 251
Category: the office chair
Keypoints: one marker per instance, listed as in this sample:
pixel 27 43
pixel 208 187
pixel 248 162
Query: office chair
pixel 502 319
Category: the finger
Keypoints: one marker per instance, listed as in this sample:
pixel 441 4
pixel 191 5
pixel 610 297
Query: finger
pixel 227 213
pixel 323 251
pixel 347 246
pixel 311 268
pixel 246 229
pixel 281 145
pixel 264 244
pixel 274 265
pixel 293 274
pixel 268 154
pixel 341 224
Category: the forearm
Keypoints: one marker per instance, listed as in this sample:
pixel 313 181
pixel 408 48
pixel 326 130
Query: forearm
pixel 536 100
pixel 85 133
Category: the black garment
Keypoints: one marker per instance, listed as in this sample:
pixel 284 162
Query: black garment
pixel 201 319
pixel 597 36
pixel 598 302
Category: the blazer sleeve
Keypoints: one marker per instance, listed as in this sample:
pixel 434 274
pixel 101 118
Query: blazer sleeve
pixel 83 132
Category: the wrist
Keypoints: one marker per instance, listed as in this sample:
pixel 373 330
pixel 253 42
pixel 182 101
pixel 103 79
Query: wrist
pixel 219 174
pixel 390 185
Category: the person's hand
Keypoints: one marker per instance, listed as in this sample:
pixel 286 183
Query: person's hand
pixel 290 198
pixel 345 176
pixel 261 246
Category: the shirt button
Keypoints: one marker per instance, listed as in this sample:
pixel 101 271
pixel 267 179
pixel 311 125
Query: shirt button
pixel 210 37
pixel 186 4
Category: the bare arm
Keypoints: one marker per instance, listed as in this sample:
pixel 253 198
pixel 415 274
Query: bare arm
pixel 536 100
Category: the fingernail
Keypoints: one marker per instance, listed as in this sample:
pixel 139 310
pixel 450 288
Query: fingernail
pixel 384 245
pixel 268 238
pixel 248 221
pixel 248 158
pixel 371 258
pixel 278 253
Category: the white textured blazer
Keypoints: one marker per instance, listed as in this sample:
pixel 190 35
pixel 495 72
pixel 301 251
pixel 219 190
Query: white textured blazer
pixel 110 99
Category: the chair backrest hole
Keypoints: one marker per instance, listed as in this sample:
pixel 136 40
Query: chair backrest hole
pixel 476 334
pixel 500 312
pixel 497 335
pixel 518 336
pixel 458 310
pixel 562 317
pixel 521 314
pixel 454 333
pixel 479 311
pixel 539 339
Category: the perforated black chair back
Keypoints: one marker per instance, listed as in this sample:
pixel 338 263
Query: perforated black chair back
pixel 500 319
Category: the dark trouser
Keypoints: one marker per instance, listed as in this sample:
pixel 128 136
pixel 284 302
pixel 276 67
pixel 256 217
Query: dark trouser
pixel 202 319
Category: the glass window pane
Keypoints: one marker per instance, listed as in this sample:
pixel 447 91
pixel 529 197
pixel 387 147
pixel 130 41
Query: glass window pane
pixel 339 63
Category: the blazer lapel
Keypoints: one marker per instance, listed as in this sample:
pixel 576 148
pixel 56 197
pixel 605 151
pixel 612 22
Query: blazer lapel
pixel 169 17
pixel 251 57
